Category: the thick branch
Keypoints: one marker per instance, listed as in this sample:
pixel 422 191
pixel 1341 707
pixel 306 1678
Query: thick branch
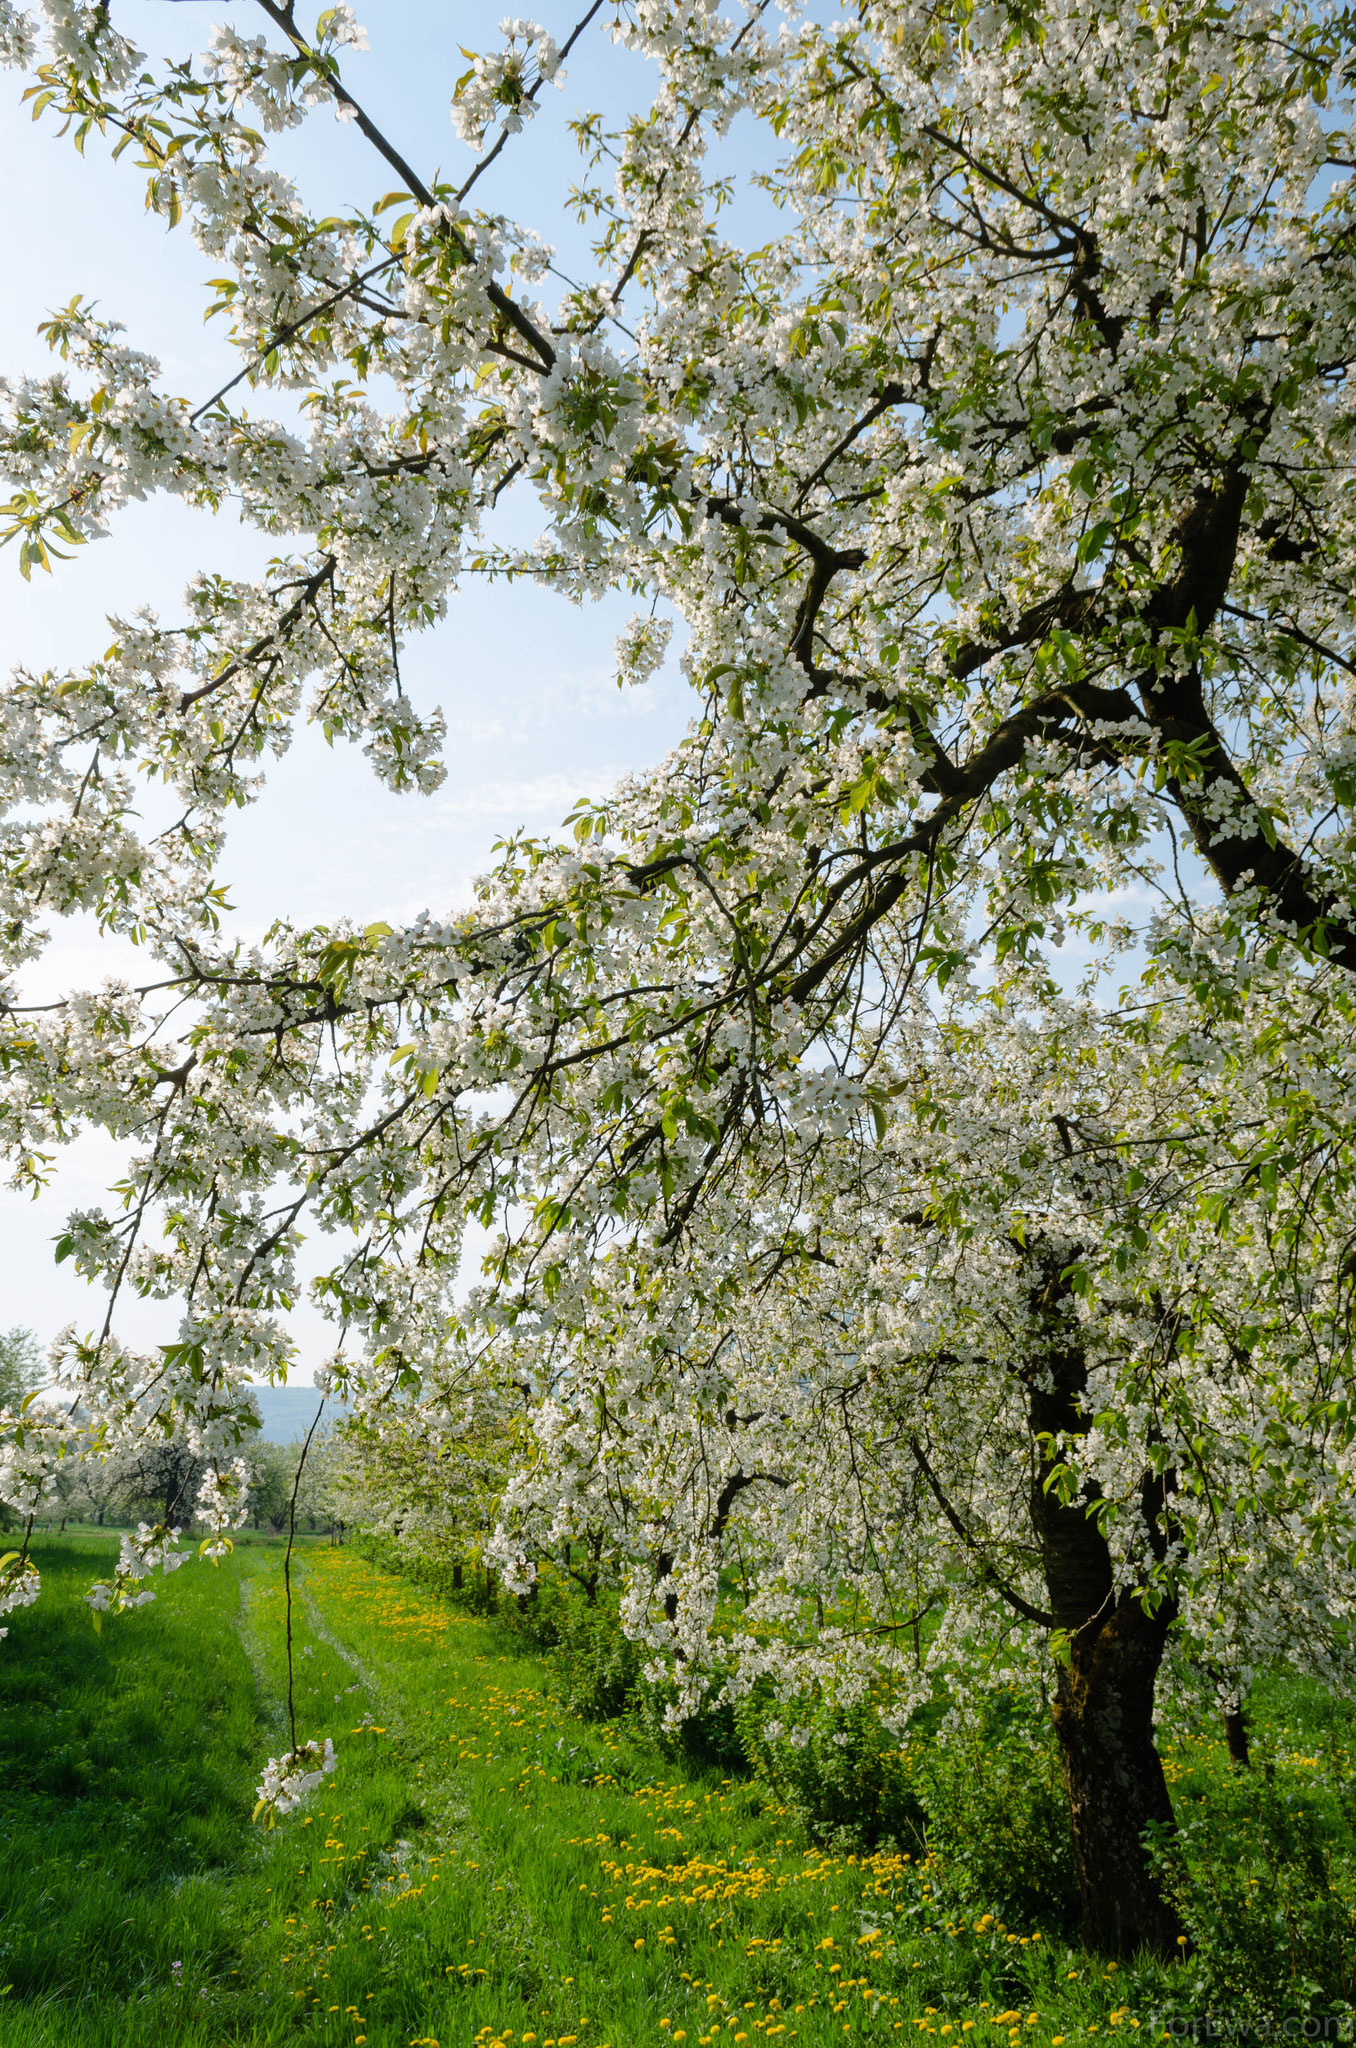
pixel 987 1570
pixel 497 296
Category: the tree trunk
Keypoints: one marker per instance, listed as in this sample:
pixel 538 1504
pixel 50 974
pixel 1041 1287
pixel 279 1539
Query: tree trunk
pixel 1236 1735
pixel 1103 1709
pixel 1103 1713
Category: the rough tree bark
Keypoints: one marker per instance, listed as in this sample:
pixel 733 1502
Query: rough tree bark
pixel 1103 1707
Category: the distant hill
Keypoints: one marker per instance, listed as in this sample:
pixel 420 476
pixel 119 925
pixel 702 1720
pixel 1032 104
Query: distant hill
pixel 288 1413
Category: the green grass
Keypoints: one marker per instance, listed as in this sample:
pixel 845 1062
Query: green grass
pixel 480 1866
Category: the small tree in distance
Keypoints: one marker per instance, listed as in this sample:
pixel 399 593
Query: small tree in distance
pixel 270 1484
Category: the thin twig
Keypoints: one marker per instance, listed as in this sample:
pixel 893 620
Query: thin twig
pixel 287 1568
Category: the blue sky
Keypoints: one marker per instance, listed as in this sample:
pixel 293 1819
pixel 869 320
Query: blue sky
pixel 524 678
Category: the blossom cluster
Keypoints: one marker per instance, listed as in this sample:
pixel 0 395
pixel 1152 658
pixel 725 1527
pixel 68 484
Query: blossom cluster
pixel 20 1584
pixel 501 88
pixel 291 1778
pixel 223 1503
pixel 149 1550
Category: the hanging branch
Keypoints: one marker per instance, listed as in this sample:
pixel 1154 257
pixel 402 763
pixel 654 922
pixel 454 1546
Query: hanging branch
pixel 287 1570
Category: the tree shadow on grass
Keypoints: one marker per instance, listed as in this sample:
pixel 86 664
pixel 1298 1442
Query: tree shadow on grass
pixel 126 1761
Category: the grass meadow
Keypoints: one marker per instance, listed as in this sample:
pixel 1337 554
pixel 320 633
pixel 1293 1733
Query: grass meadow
pixel 482 1869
